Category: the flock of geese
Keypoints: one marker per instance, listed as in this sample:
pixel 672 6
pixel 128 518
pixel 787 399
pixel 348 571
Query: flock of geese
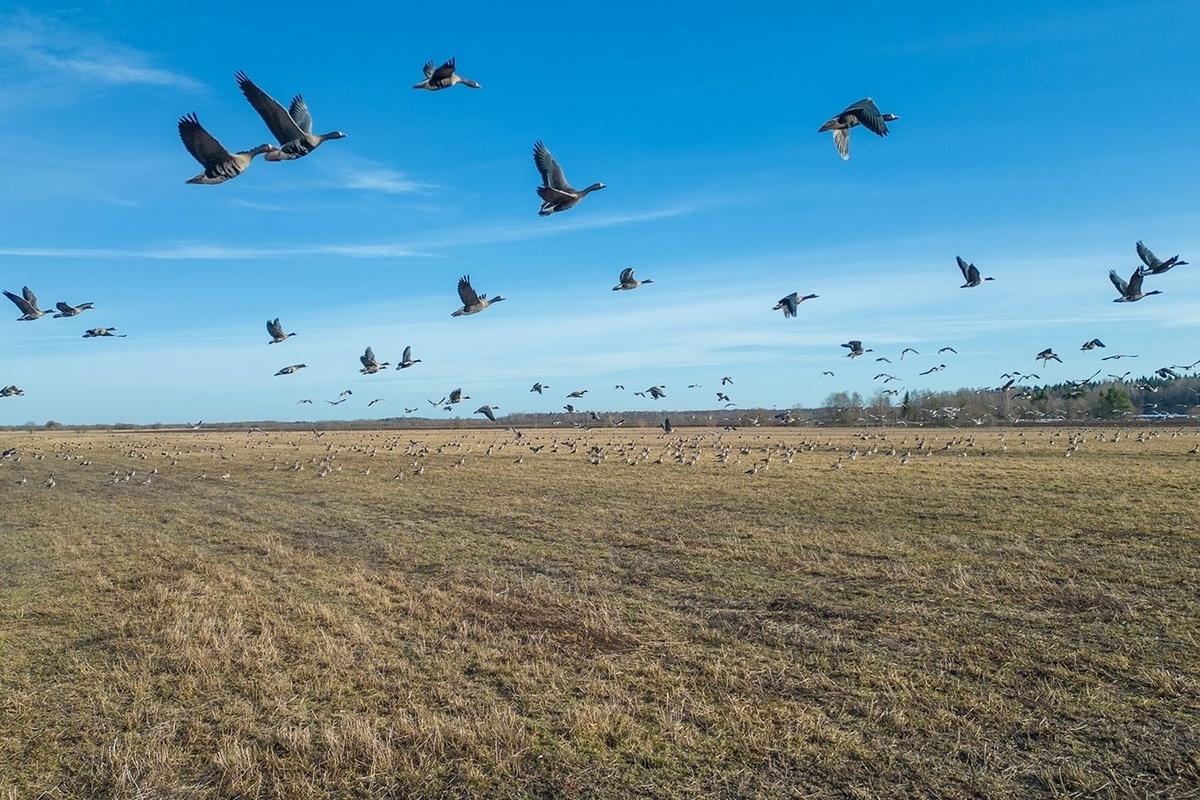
pixel 292 129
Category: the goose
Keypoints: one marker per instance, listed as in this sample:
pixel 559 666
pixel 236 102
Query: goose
pixel 65 310
pixel 789 303
pixel 1132 291
pixel 443 77
pixel 970 274
pixel 557 195
pixel 666 425
pixel 908 350
pixel 276 330
pixel 291 126
pixel 656 392
pixel 856 348
pixel 577 393
pixel 11 391
pixel 538 387
pixel 1046 355
pixel 627 281
pixel 370 365
pixel 457 396
pixel 291 369
pixel 27 304
pixel 1092 345
pixel 1154 265
pixel 864 113
pixel 1166 372
pixel 947 350
pixel 472 303
pixel 92 333
pixel 1117 356
pixel 726 380
pixel 932 370
pixel 406 359
pixel 487 411
pixel 376 400
pixel 219 164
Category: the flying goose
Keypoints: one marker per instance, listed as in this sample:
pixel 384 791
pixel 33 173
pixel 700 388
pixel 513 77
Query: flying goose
pixel 1132 291
pixel 656 392
pixel 406 360
pixel 1092 345
pixel 291 126
pixel 219 164
pixel 472 303
pixel 538 387
pixel 92 333
pixel 864 113
pixel 856 348
pixel 65 310
pixel 487 412
pixel 789 303
pixel 578 393
pixel 27 303
pixel 291 369
pixel 370 365
pixel 970 274
pixel 11 391
pixel 1154 265
pixel 276 330
pixel 1046 355
pixel 457 396
pixel 627 281
pixel 908 350
pixel 557 195
pixel 443 77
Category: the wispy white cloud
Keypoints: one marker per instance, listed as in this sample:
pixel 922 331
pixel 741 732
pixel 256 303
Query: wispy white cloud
pixel 215 252
pixel 354 172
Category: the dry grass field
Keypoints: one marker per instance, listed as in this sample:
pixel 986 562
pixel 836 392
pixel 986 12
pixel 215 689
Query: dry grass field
pixel 621 614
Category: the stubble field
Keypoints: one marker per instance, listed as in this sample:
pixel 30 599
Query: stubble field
pixel 622 613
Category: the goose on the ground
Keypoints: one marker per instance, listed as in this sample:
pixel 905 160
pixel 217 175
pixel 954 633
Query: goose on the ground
pixel 292 127
pixel 970 274
pixel 276 330
pixel 627 281
pixel 27 303
pixel 66 310
pixel 472 303
pixel 557 195
pixel 293 368
pixel 443 77
pixel 219 164
pixel 791 302
pixel 1131 290
pixel 864 113
pixel 1154 265
pixel 406 359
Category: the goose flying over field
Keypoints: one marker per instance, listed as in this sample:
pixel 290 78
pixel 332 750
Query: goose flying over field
pixel 557 195
pixel 487 411
pixel 457 396
pixel 864 113
pixel 627 281
pixel 1166 372
pixel 656 392
pixel 856 348
pixel 790 303
pixel 276 330
pixel 1046 355
pixel 291 369
pixel 1154 265
pixel 371 365
pixel 970 274
pixel 443 77
pixel 1092 344
pixel 65 310
pixel 92 333
pixel 1130 291
pixel 406 359
pixel 219 164
pixel 292 127
pixel 472 303
pixel 27 303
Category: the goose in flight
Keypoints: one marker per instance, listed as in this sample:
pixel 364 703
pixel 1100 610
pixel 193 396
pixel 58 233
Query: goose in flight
pixel 1130 291
pixel 856 348
pixel 472 303
pixel 557 195
pixel 656 392
pixel 726 380
pixel 292 127
pixel 276 330
pixel 789 303
pixel 538 387
pixel 406 359
pixel 219 164
pixel 1046 355
pixel 627 281
pixel 1092 345
pixel 92 333
pixel 27 304
pixel 1117 356
pixel 65 310
pixel 577 393
pixel 908 350
pixel 443 77
pixel 864 113
pixel 947 350
pixel 371 365
pixel 487 411
pixel 1166 372
pixel 1154 265
pixel 291 369
pixel 11 391
pixel 970 274
pixel 457 396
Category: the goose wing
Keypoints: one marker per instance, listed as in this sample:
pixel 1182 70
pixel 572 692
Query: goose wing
pixel 200 143
pixel 1135 282
pixel 300 114
pixel 428 69
pixel 280 123
pixel 551 172
pixel 964 267
pixel 1148 258
pixel 1119 282
pixel 274 328
pixel 30 297
pixel 404 359
pixel 841 140
pixel 627 275
pixel 441 76
pixel 867 113
pixel 368 358
pixel 465 292
pixel 20 302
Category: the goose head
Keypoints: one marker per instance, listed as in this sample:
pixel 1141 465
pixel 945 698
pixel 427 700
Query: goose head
pixel 593 188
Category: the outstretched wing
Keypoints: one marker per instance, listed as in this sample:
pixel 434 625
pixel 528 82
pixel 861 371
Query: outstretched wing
pixel 274 328
pixel 627 275
pixel 551 172
pixel 1118 282
pixel 465 292
pixel 440 77
pixel 867 113
pixel 200 143
pixel 1148 258
pixel 280 123
pixel 404 359
pixel 300 114
pixel 964 267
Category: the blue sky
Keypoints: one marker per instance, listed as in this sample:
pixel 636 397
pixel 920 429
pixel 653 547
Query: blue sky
pixel 1038 141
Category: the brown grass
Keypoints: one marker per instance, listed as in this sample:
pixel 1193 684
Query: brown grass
pixel 992 619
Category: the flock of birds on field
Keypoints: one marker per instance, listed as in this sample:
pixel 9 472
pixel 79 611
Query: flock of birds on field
pixel 292 128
